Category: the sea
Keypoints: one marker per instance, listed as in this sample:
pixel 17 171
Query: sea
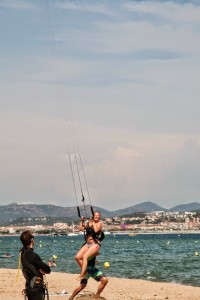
pixel 173 258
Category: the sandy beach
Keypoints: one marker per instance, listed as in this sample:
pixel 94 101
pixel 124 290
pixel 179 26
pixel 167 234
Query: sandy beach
pixel 117 288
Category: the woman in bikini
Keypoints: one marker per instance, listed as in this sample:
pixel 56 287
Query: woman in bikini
pixel 93 227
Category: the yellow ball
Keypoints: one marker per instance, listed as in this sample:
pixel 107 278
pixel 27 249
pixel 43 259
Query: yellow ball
pixel 196 253
pixel 54 256
pixel 106 264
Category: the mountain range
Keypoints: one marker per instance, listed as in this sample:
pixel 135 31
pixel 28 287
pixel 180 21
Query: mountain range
pixel 14 211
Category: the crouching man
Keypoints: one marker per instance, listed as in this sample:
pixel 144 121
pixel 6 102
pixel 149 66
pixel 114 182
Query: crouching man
pixel 93 272
pixel 33 268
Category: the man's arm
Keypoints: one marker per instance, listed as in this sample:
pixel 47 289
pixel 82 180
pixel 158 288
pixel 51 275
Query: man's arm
pixel 40 264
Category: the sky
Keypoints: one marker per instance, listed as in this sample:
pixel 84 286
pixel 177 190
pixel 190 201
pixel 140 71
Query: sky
pixel 113 82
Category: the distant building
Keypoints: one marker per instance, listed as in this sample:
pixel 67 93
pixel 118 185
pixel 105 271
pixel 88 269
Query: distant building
pixel 11 230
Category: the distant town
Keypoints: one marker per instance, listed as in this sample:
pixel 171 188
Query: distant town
pixel 154 222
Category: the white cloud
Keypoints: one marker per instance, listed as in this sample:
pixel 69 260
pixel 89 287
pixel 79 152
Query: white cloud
pixel 16 4
pixel 169 10
pixel 156 170
pixel 132 83
pixel 120 167
pixel 85 7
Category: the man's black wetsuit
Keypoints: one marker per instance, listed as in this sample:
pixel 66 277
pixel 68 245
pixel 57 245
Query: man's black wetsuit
pixel 31 263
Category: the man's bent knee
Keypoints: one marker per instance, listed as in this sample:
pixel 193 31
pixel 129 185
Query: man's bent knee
pixel 104 280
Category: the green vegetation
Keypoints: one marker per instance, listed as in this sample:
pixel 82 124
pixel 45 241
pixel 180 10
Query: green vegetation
pixel 48 221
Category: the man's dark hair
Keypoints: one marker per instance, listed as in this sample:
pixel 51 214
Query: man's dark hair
pixel 26 237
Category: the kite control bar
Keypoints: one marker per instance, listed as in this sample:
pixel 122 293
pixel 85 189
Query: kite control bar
pixel 79 214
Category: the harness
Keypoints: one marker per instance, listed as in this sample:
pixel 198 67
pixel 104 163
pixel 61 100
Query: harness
pixel 97 236
pixel 34 280
pixel 100 235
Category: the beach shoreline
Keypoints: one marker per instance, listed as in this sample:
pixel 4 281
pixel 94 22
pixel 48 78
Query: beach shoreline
pixel 115 233
pixel 117 288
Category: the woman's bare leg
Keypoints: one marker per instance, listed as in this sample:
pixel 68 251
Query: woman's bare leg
pixel 79 255
pixel 92 251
